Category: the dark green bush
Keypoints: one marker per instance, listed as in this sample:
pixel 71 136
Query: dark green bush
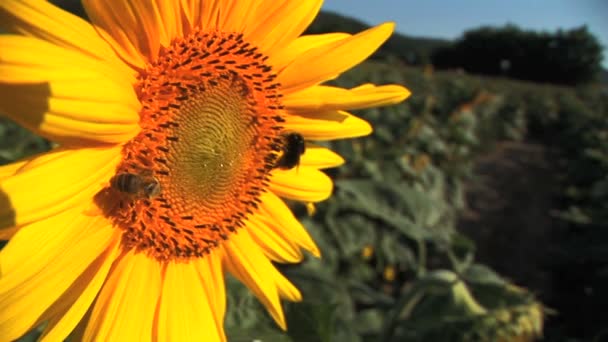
pixel 563 57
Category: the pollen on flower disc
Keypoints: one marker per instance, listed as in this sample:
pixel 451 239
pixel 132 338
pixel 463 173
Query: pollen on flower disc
pixel 210 124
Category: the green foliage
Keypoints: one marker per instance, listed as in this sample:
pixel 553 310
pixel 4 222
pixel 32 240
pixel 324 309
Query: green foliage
pixel 16 142
pixel 565 57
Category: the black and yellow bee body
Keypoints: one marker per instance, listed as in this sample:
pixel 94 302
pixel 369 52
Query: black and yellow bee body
pixel 293 148
pixel 135 184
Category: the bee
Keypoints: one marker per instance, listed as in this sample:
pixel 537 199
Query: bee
pixel 293 148
pixel 135 184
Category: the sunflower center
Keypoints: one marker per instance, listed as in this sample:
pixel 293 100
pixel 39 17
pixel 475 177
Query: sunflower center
pixel 211 118
pixel 213 150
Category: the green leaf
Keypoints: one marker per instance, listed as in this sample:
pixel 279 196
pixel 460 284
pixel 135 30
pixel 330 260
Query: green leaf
pixel 481 274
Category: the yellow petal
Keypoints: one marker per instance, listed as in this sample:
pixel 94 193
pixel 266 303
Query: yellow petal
pixel 19 54
pixel 126 306
pixel 29 249
pixel 286 289
pixel 245 260
pixel 211 275
pixel 29 162
pixel 277 215
pixel 210 14
pixel 60 120
pixel 169 15
pixel 122 26
pixel 329 125
pixel 325 62
pixel 320 157
pixel 11 169
pixel 67 97
pixel 24 165
pixel 56 185
pixel 43 158
pixel 275 245
pixel 283 57
pixel 44 21
pixel 324 98
pixel 304 184
pixel 40 263
pixel 73 305
pixel 8 233
pixel 191 12
pixel 235 15
pixel 184 313
pixel 277 23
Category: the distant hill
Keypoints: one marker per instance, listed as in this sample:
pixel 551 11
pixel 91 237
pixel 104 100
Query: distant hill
pixel 414 51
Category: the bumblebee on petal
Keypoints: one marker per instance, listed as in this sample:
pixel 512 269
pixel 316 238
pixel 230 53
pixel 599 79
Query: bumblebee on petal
pixel 293 148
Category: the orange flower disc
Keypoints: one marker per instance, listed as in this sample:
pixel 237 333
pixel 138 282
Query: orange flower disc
pixel 211 118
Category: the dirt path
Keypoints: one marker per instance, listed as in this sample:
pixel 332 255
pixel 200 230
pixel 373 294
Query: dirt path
pixel 510 201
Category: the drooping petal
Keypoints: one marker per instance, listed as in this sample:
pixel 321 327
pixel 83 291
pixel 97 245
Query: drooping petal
pixel 41 262
pixel 126 306
pixel 275 245
pixel 328 125
pixel 184 312
pixel 330 60
pixel 326 98
pixel 211 275
pixel 44 21
pixel 74 304
pixel 277 215
pixel 55 185
pixel 304 184
pixel 244 259
pixel 287 290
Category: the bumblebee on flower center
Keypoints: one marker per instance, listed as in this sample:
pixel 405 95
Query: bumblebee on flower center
pixel 211 133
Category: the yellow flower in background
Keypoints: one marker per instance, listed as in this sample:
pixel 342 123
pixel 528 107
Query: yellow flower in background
pixel 172 119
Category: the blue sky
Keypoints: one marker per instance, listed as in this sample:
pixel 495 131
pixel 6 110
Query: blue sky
pixel 449 18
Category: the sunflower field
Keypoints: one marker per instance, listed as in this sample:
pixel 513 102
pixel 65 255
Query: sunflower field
pixel 408 253
pixel 398 263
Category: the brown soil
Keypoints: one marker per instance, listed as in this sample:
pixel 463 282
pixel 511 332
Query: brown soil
pixel 509 215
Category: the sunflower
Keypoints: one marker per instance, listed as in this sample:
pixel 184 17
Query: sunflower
pixel 173 121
